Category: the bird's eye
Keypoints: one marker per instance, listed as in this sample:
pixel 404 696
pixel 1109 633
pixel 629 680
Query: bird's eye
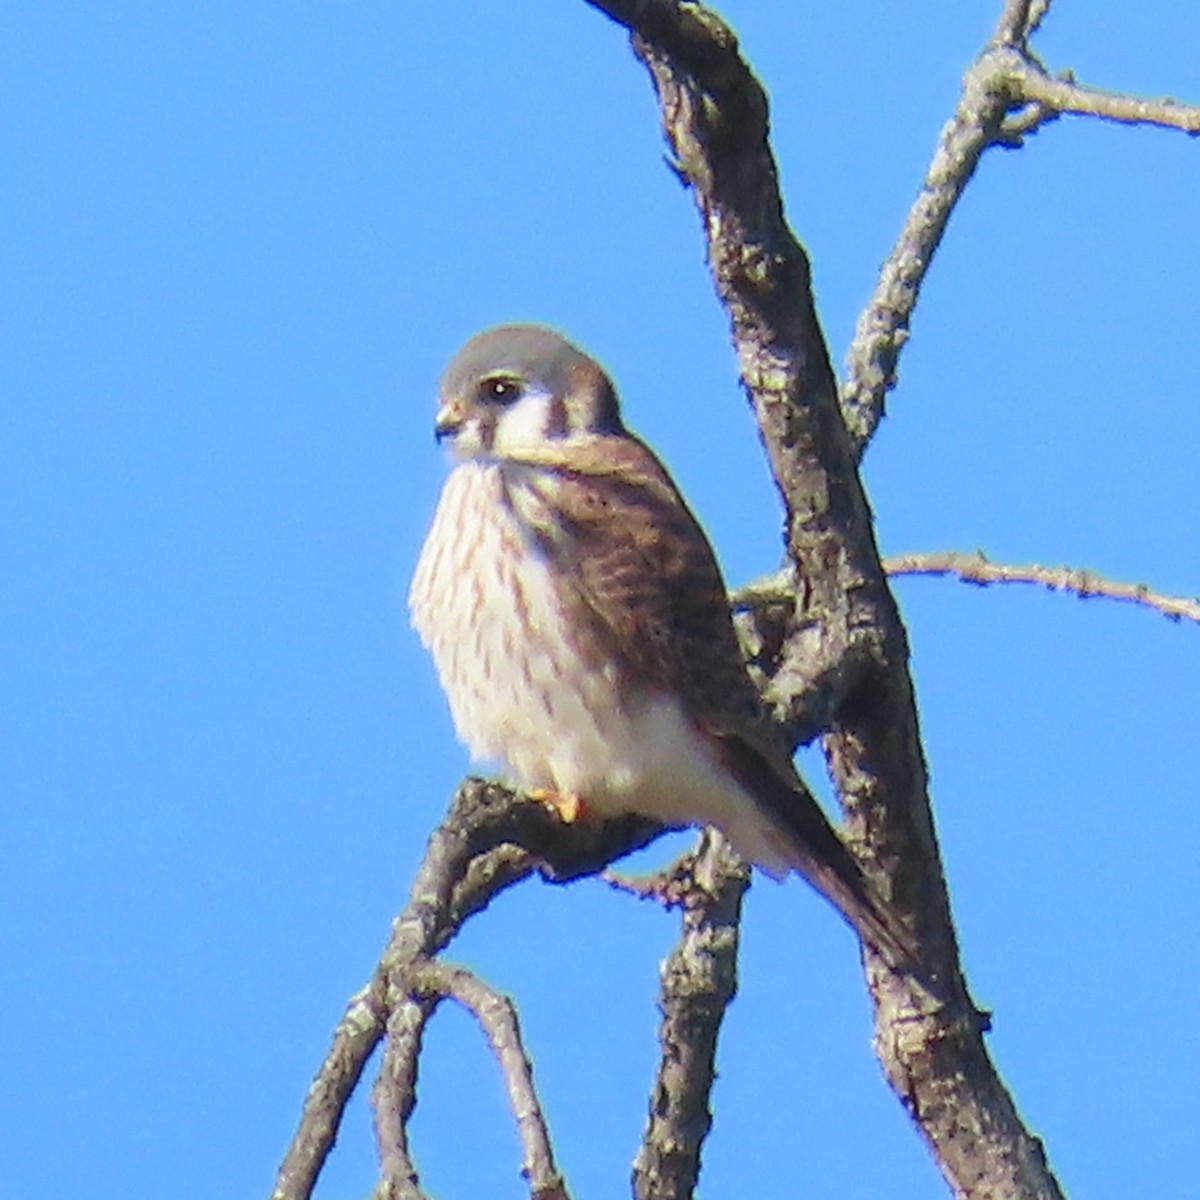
pixel 500 390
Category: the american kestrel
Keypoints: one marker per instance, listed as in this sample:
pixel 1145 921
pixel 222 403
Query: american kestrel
pixel 581 629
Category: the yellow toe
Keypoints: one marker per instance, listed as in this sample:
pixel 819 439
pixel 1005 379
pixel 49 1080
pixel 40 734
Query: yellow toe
pixel 566 805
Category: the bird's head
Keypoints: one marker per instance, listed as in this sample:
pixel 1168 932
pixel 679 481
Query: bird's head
pixel 511 390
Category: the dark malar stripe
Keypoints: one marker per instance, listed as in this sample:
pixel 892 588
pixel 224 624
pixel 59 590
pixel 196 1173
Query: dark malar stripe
pixel 557 425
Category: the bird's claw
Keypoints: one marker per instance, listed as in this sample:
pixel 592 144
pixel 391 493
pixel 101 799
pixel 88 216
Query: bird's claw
pixel 567 806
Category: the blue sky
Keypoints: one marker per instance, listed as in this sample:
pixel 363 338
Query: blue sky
pixel 239 242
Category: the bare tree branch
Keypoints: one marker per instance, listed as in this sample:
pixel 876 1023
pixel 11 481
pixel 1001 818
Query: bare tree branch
pixel 976 568
pixel 698 981
pixel 672 886
pixel 882 327
pixel 394 1097
pixel 979 121
pixel 773 593
pixel 1018 21
pixel 355 1037
pixel 497 1017
pixel 715 119
pixel 1066 96
pixel 1006 95
pixel 489 839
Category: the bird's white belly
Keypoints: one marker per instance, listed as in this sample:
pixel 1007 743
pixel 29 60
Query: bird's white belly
pixel 530 689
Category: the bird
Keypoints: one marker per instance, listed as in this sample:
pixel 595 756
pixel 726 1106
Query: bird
pixel 581 629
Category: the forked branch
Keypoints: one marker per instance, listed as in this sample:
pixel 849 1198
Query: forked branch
pixel 1006 95
pixel 429 982
pixel 489 840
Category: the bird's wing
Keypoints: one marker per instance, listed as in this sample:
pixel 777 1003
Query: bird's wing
pixel 607 513
pixel 646 580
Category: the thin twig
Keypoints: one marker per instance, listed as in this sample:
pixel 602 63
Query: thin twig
pixel 672 886
pixel 778 589
pixel 976 568
pixel 698 982
pixel 774 590
pixel 1067 96
pixel 498 1019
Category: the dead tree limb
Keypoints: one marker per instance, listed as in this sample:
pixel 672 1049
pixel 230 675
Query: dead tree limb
pixel 846 633
pixel 770 595
pixel 1006 95
pixel 489 840
pixel 431 981
pixel 698 981
pixel 976 568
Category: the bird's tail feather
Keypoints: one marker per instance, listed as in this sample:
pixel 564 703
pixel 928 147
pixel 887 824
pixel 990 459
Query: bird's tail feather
pixel 809 845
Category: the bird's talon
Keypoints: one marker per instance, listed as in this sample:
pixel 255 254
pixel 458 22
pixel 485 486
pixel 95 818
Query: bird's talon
pixel 568 807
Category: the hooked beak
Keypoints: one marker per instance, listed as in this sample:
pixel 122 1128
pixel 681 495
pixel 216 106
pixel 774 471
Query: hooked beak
pixel 449 420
